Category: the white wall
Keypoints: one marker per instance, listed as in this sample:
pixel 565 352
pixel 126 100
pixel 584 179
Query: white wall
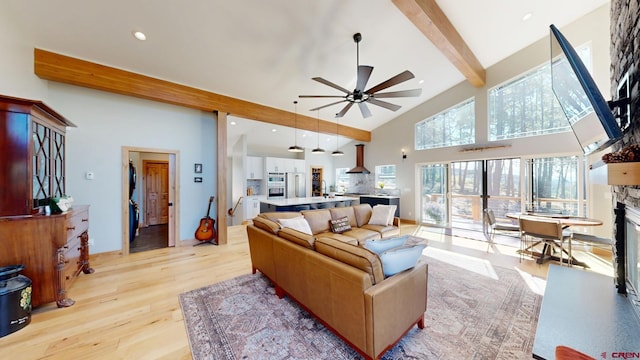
pixel 388 139
pixel 106 123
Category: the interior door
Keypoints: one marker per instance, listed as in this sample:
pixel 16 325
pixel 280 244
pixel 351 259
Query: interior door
pixel 156 192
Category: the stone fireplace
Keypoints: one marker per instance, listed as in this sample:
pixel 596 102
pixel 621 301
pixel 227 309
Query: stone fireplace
pixel 625 55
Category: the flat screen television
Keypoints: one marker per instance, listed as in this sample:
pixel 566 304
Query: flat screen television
pixel 589 114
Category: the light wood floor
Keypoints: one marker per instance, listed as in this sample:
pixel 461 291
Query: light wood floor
pixel 129 309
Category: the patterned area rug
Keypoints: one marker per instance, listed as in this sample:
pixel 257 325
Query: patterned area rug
pixel 474 311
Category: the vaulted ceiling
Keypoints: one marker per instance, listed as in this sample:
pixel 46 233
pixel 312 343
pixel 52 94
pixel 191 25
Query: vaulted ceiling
pixel 266 52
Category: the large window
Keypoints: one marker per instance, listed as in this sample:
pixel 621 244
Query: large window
pixel 386 176
pixel 526 106
pixel 554 185
pixel 455 126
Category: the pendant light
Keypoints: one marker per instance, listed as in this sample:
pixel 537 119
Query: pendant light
pixel 295 148
pixel 318 150
pixel 337 152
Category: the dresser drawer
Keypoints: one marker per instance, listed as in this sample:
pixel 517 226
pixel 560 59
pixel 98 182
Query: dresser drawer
pixel 76 224
pixel 71 260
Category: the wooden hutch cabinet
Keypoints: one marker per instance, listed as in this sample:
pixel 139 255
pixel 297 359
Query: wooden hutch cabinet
pixel 53 248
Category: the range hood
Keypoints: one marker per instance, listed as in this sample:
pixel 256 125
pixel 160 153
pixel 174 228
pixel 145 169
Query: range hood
pixel 359 168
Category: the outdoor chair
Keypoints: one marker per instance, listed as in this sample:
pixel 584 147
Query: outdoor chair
pixel 492 226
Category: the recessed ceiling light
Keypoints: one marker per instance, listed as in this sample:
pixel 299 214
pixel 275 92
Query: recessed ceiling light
pixel 232 122
pixel 274 130
pixel 139 35
pixel 527 16
pixel 421 82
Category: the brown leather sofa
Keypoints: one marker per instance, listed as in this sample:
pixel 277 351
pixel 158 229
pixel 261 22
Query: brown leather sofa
pixel 341 283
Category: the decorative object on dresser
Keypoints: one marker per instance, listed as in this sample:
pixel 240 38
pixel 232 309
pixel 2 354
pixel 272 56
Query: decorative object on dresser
pixel 54 248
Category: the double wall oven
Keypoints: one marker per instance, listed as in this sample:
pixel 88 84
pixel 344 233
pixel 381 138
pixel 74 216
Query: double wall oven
pixel 276 185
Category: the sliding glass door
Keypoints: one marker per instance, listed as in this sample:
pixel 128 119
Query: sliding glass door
pixel 503 187
pixel 434 207
pixel 467 179
pixel 455 194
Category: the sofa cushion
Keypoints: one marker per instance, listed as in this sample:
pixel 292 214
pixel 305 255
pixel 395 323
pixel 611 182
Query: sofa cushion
pixel 355 256
pixel 341 225
pixel 297 237
pixel 380 246
pixel 318 220
pixel 297 223
pixel 400 258
pixel 339 237
pixel 338 213
pixel 385 231
pixel 362 235
pixel 363 214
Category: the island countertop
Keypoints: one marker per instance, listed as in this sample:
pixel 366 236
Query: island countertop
pixel 306 200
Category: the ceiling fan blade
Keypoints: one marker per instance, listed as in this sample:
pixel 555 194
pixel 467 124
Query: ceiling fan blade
pixel 321 96
pixel 364 109
pixel 327 105
pixel 403 93
pixel 402 77
pixel 384 104
pixel 329 83
pixel 364 72
pixel 344 110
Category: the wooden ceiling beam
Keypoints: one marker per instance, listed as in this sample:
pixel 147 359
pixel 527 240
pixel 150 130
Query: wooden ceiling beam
pixel 69 70
pixel 427 16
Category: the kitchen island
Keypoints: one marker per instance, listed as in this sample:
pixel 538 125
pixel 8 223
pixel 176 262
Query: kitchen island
pixel 306 203
pixel 374 200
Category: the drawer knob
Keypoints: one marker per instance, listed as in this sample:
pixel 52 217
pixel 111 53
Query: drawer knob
pixel 85 220
pixel 71 228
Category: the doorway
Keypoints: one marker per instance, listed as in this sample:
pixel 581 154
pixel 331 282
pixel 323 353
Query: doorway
pixel 154 197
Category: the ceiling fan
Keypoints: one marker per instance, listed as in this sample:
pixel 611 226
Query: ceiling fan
pixel 361 96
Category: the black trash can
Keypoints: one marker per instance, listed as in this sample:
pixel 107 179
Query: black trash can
pixel 15 299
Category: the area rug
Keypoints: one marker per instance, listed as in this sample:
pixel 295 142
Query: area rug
pixel 473 312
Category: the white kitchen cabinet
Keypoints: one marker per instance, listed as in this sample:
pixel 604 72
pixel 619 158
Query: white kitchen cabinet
pixel 255 167
pixel 284 165
pixel 252 206
pixel 275 165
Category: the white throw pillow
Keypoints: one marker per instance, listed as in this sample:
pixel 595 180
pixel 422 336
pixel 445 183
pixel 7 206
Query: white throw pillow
pixel 379 216
pixel 297 223
pixel 383 215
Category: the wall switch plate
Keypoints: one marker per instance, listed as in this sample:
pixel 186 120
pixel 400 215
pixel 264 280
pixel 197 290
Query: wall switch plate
pixel 89 175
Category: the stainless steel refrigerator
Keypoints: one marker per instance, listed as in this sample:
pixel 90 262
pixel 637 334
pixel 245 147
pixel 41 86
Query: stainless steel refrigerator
pixel 295 185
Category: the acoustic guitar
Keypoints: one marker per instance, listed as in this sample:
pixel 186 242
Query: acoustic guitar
pixel 206 231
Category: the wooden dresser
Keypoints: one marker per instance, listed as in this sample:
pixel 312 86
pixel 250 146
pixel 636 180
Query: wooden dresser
pixel 54 250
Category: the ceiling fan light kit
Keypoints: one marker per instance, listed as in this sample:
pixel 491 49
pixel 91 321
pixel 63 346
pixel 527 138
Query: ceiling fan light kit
pixel 361 96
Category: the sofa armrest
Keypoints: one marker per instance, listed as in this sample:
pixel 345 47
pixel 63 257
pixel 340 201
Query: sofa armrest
pixel 394 305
